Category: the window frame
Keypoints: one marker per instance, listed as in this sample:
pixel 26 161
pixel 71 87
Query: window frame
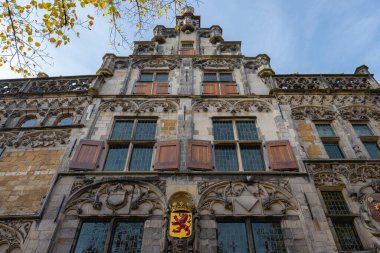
pixel 336 218
pixel 112 221
pixel 371 139
pixel 219 83
pixel 131 143
pixel 237 143
pixel 248 222
pixel 153 83
pixel 329 139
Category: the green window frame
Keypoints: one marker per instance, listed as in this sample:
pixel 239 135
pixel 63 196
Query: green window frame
pixel 131 145
pixel 236 145
pixel 115 236
pixel 234 237
pixel 372 149
pixel 333 150
pixel 362 130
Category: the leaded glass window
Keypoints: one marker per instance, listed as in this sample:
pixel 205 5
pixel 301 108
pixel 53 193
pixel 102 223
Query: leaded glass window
pixel 92 237
pixel 252 158
pixel 372 149
pixel 116 159
pixel 65 121
pixel 131 145
pixel 362 130
pixel 114 236
pixel 347 236
pixel 268 237
pixel 223 130
pixel 333 150
pixel 232 237
pixel 225 158
pixel 246 130
pixel 335 203
pixel 141 158
pixel 122 130
pixel 325 130
pixel 127 238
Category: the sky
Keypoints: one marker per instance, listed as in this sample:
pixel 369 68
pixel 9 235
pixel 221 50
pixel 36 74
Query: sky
pixel 300 36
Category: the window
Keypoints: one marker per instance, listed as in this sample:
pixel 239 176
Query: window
pixel 267 237
pixel 114 236
pixel 369 140
pixel 330 140
pixel 215 83
pixel 362 130
pixel 237 146
pixel 29 123
pixel 187 45
pixel 187 48
pixel 131 145
pixel 372 149
pixel 342 220
pixel 65 121
pixel 153 83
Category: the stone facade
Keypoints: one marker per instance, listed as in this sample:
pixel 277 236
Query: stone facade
pixel 58 136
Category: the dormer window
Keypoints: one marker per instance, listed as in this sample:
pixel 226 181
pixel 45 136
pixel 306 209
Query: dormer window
pixel 152 83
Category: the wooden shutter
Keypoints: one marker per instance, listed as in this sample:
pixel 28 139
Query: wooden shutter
pixel 210 89
pixel 87 155
pixel 281 155
pixel 199 155
pixel 143 88
pixel 229 89
pixel 161 88
pixel 167 155
pixel 187 52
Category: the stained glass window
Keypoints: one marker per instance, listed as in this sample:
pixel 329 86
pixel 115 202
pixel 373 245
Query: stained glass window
pixel 372 149
pixel 232 237
pixel 362 130
pixel 268 237
pixel 145 130
pixel 141 158
pixel 252 158
pixel 225 158
pixel 325 130
pixel 335 203
pixel 223 130
pixel 92 237
pixel 246 130
pixel 66 121
pixel 29 123
pixel 333 150
pixel 122 130
pixel 127 238
pixel 347 236
pixel 116 159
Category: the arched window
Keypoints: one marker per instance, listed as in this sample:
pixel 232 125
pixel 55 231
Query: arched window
pixel 29 123
pixel 65 121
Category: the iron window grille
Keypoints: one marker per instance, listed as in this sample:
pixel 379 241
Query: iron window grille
pixel 235 237
pixel 342 220
pixel 116 236
pixel 130 146
pixel 237 146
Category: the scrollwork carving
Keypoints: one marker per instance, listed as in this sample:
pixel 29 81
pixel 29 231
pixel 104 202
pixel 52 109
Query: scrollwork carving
pixel 13 233
pixel 313 113
pixel 359 112
pixel 156 63
pixel 34 139
pixel 233 106
pixel 217 63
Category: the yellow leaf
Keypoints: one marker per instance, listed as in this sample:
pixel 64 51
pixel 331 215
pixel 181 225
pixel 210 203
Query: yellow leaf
pixel 5 4
pixel 52 40
pixel 37 44
pixel 30 39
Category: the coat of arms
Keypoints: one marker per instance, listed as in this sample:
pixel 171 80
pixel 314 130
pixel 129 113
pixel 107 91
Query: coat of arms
pixel 373 203
pixel 181 218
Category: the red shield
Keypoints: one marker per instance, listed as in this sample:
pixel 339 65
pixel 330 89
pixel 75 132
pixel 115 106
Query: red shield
pixel 373 203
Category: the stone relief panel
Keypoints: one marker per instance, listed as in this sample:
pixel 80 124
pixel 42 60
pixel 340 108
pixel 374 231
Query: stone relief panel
pixel 116 197
pixel 359 112
pixel 35 139
pixel 235 198
pixel 140 105
pixel 13 234
pixel 313 113
pixel 233 106
pixel 151 63
pixel 217 63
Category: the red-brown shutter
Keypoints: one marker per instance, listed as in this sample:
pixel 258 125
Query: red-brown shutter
pixel 210 89
pixel 167 155
pixel 143 88
pixel 87 155
pixel 161 88
pixel 229 89
pixel 281 155
pixel 187 52
pixel 199 155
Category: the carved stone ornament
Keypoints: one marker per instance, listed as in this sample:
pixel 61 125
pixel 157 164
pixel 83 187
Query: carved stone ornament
pixel 144 48
pixel 13 233
pixel 228 198
pixel 313 113
pixel 359 112
pixel 340 173
pixel 140 105
pixel 257 62
pixel 233 106
pixel 116 196
pixel 298 82
pixel 56 102
pixel 217 63
pixel 152 63
pixel 34 139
